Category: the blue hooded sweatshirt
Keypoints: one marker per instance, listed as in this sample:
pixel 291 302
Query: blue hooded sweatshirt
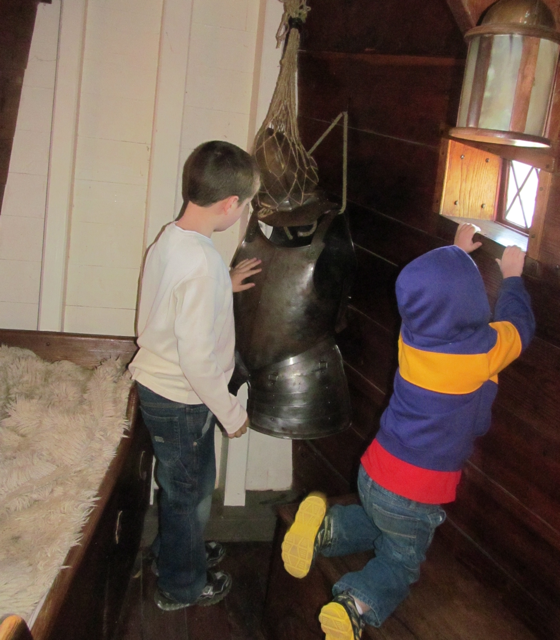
pixel 450 354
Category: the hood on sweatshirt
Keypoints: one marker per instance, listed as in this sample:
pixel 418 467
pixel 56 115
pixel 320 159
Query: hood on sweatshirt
pixel 443 303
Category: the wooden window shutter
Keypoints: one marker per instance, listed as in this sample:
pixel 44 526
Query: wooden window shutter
pixel 471 183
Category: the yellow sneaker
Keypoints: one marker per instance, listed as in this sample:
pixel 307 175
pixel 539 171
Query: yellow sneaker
pixel 298 547
pixel 340 619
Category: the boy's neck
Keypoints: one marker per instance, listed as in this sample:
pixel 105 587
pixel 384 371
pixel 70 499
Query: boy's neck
pixel 203 220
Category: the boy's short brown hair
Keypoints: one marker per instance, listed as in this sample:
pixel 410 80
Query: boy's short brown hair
pixel 216 170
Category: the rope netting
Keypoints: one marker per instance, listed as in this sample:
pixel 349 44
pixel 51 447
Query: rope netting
pixel 289 174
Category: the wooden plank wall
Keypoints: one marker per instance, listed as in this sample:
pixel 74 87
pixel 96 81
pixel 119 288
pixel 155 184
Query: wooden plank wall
pixel 397 67
pixel 17 20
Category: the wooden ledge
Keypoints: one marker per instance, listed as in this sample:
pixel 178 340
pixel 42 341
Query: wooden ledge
pixel 447 602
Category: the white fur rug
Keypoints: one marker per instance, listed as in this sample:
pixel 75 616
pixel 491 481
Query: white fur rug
pixel 60 425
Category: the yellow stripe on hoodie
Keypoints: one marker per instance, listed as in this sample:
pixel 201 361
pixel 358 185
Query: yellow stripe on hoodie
pixel 457 374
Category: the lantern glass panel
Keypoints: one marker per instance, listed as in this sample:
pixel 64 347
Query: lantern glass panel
pixel 472 58
pixel 501 82
pixel 542 87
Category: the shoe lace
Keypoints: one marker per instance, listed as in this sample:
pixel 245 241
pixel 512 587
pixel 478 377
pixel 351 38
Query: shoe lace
pixel 325 533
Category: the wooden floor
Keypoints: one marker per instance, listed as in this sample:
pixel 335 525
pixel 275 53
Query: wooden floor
pixel 237 617
pixel 247 535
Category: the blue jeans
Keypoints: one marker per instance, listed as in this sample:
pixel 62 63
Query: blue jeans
pixel 183 440
pixel 399 530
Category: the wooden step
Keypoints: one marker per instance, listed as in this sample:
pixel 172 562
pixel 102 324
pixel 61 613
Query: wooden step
pixel 447 603
pixel 13 627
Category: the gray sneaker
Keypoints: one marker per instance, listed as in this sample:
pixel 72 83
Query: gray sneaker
pixel 217 587
pixel 215 553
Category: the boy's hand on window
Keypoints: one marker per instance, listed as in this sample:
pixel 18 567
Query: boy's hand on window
pixel 245 269
pixel 240 431
pixel 464 237
pixel 512 262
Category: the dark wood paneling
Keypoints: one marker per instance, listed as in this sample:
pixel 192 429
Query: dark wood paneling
pixel 17 20
pixel 502 526
pixel 380 239
pixel 522 460
pixel 406 97
pixel 10 92
pixel 365 412
pixel 388 238
pixel 406 27
pixel 360 384
pixel 506 517
pixel 530 386
pixel 6 150
pixel 551 231
pixel 369 349
pixel 545 296
pixel 382 172
pixel 542 621
pixel 374 296
pixel 343 451
pixel 313 473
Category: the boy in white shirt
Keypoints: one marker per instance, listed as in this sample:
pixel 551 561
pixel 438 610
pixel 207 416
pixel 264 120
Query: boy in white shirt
pixel 186 358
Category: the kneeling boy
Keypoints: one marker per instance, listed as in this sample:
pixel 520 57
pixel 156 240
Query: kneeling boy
pixel 450 355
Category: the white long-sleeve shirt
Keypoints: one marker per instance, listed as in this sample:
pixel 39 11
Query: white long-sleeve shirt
pixel 185 326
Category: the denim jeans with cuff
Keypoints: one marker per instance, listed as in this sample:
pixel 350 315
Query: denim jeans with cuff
pixel 183 441
pixel 399 530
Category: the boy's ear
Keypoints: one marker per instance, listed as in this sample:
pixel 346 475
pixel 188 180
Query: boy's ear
pixel 230 202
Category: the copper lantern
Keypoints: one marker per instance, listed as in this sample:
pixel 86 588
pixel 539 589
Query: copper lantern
pixel 509 75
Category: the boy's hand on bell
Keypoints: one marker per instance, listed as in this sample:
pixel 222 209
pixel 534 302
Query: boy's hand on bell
pixel 240 431
pixel 245 269
pixel 512 262
pixel 464 237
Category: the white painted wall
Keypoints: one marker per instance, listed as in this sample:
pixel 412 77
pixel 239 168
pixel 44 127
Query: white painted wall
pixel 136 85
pixel 113 153
pixel 218 92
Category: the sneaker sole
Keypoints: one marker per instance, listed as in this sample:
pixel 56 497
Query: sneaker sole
pixel 299 542
pixel 215 599
pixel 335 622
pixel 172 607
pixel 199 603
pixel 165 604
